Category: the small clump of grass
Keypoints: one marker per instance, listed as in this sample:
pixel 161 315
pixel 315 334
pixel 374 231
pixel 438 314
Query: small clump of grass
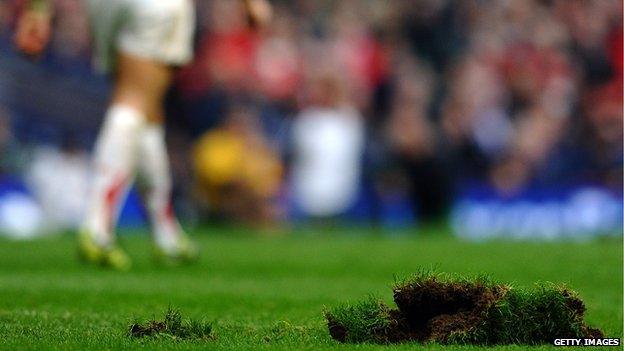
pixel 172 326
pixel 534 316
pixel 448 309
pixel 365 321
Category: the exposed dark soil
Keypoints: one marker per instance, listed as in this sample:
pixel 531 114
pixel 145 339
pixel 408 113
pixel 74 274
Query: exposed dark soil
pixel 336 330
pixel 149 329
pixel 436 309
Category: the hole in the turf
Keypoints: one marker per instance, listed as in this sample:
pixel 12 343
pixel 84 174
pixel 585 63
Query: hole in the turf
pixel 434 309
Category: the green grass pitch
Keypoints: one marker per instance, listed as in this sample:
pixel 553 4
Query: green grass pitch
pixel 269 293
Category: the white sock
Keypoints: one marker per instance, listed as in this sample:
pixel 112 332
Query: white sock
pixel 154 163
pixel 114 163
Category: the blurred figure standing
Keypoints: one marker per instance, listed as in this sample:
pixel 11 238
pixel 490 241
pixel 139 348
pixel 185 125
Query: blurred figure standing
pixel 328 140
pixel 413 165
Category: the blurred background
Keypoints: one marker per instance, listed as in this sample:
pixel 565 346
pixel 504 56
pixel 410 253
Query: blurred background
pixel 501 118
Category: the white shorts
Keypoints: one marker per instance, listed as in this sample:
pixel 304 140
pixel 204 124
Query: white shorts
pixel 161 30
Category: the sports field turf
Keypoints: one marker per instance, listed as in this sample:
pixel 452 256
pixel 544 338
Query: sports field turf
pixel 268 293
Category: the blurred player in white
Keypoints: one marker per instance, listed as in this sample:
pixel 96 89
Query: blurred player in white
pixel 140 43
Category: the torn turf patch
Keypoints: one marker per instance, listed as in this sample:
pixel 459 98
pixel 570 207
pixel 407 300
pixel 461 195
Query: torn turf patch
pixel 453 310
pixel 172 326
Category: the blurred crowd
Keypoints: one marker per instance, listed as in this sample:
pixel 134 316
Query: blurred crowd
pixel 377 109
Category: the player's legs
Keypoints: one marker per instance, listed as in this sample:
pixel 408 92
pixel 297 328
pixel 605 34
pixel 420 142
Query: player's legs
pixel 170 240
pixel 142 83
pixel 114 162
pixel 138 41
pixel 134 136
pixel 113 172
pixel 139 87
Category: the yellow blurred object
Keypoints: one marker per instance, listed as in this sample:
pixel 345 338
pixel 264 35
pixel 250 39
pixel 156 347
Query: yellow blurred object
pixel 219 157
pixel 225 158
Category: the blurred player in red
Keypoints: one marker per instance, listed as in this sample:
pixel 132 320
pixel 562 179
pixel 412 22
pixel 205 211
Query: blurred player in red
pixel 140 43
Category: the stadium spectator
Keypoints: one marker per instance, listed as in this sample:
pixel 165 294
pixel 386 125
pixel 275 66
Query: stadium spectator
pixel 328 144
pixel 238 173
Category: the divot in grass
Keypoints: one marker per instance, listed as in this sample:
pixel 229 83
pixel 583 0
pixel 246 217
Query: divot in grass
pixel 172 326
pixel 433 307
